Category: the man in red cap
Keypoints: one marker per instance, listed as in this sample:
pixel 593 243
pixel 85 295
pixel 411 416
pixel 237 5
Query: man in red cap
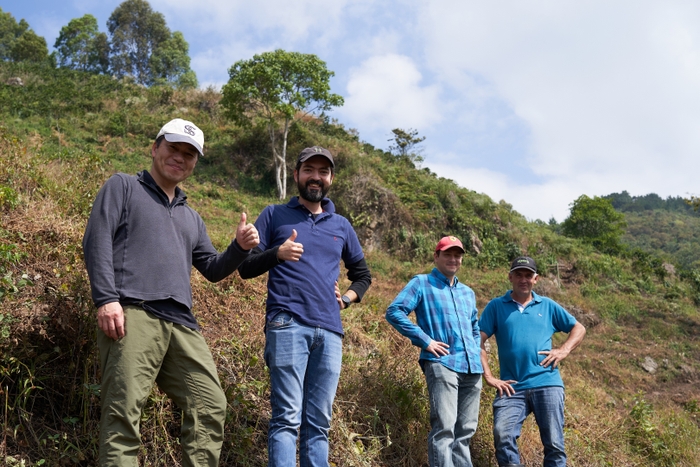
pixel 447 332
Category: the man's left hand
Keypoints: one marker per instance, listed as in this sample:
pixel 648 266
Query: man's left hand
pixel 553 358
pixel 246 234
pixel 338 296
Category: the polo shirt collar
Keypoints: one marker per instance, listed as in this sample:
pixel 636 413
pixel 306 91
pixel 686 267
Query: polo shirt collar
pixel 535 298
pixel 326 204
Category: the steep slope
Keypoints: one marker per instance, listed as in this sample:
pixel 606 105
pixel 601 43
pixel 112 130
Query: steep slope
pixel 63 133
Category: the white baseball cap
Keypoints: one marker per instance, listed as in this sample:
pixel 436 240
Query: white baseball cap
pixel 183 131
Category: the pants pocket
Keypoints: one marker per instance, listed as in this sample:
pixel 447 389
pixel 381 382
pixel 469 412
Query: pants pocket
pixel 280 320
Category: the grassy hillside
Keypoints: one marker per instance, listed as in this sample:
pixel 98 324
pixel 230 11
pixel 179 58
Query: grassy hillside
pixel 63 133
pixel 674 236
pixel 667 228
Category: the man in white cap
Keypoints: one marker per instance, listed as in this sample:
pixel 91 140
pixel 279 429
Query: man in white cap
pixel 447 332
pixel 523 323
pixel 140 244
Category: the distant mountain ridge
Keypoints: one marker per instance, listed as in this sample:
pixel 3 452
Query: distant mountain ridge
pixel 669 228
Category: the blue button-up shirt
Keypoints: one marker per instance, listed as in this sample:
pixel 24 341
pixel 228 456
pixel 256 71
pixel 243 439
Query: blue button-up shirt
pixel 445 313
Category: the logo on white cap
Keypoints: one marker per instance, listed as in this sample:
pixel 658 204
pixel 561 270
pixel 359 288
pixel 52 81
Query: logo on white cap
pixel 183 131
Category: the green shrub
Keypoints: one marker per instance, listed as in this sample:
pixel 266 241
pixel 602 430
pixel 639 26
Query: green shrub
pixel 8 198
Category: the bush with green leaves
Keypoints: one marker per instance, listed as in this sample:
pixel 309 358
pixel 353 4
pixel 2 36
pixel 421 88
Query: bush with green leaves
pixel 595 221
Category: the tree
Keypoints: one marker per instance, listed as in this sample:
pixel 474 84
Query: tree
pixel 81 46
pixel 595 221
pixel 143 47
pixel 136 31
pixel 29 47
pixel 170 63
pixel 405 143
pixel 18 42
pixel 694 202
pixel 10 30
pixel 276 86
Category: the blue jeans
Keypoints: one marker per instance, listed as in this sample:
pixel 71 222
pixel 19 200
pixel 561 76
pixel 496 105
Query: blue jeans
pixel 454 413
pixel 304 365
pixel 509 413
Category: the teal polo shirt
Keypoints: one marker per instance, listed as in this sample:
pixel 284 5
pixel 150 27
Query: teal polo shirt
pixel 520 336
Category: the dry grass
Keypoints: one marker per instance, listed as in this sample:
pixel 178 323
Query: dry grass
pixel 49 376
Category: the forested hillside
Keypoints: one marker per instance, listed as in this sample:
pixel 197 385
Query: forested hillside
pixel 632 392
pixel 667 228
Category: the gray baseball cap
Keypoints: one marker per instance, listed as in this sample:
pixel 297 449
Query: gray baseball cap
pixel 523 262
pixel 308 153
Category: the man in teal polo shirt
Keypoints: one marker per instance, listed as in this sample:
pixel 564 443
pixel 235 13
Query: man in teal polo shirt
pixel 523 323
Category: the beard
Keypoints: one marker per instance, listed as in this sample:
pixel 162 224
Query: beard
pixel 313 195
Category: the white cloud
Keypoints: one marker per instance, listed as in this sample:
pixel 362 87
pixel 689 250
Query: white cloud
pixel 535 102
pixel 533 200
pixel 272 21
pixel 386 92
pixel 221 32
pixel 609 92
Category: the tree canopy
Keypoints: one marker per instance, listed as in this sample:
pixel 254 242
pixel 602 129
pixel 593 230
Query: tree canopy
pixel 30 47
pixel 274 86
pixel 81 46
pixel 10 30
pixel 626 203
pixel 142 46
pixel 406 144
pixel 170 63
pixel 20 43
pixel 595 221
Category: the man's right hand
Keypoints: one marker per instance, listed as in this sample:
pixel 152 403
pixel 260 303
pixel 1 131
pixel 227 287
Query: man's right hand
pixel 110 318
pixel 500 385
pixel 290 250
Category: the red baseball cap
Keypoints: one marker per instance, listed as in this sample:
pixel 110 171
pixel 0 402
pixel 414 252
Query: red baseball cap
pixel 448 242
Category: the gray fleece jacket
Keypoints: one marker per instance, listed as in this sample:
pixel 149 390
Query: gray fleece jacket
pixel 140 246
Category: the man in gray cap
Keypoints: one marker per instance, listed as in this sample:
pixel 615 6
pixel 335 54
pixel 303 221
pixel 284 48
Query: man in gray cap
pixel 523 323
pixel 140 244
pixel 301 245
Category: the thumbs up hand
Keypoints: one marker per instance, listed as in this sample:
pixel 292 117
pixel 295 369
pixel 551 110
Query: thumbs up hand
pixel 290 250
pixel 246 234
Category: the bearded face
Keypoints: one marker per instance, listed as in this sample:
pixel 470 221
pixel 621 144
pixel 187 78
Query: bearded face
pixel 313 190
pixel 314 179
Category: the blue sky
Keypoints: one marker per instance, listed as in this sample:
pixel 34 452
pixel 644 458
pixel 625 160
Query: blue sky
pixel 530 101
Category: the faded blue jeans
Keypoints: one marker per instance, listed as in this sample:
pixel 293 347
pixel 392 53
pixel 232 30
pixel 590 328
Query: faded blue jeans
pixel 509 413
pixel 454 414
pixel 304 365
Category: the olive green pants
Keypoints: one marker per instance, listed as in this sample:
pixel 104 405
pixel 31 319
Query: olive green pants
pixel 178 360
